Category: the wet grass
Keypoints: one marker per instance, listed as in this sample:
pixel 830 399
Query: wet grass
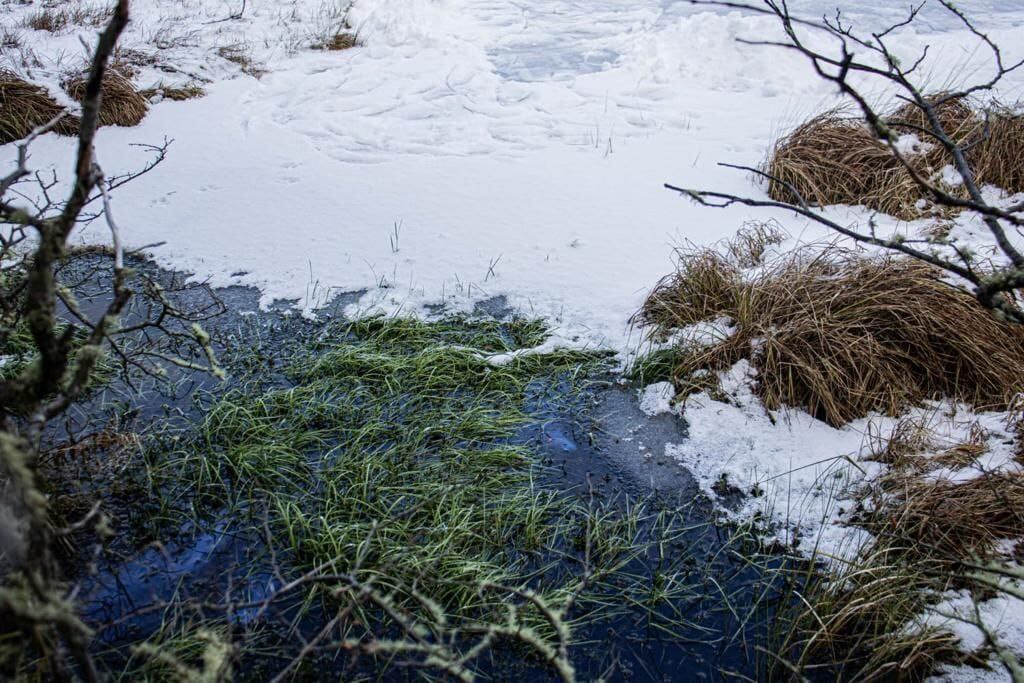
pixel 385 467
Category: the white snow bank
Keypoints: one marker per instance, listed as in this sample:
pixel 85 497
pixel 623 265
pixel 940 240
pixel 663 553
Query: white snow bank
pixel 800 473
pixel 794 469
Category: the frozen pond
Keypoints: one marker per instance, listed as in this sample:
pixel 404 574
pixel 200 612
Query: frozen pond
pixel 565 38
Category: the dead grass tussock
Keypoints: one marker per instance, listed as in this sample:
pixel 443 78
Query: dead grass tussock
pixel 24 107
pixel 866 619
pixel 956 115
pixel 56 19
pixel 241 55
pixel 345 40
pixel 838 334
pixel 999 156
pixel 127 62
pixel 748 248
pixel 854 625
pixel 10 39
pixel 176 94
pixel 834 158
pixel 122 105
pixel 48 19
pixel 913 447
pixel 933 519
pixel 950 522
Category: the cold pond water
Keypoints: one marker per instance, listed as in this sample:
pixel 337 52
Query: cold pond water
pixel 681 597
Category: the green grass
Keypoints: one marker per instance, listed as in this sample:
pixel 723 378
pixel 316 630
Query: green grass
pixel 18 353
pixel 387 451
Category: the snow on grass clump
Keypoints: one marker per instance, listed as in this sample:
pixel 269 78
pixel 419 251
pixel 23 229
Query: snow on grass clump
pixel 789 465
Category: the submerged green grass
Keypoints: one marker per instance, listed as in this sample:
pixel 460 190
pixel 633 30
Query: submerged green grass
pixel 387 450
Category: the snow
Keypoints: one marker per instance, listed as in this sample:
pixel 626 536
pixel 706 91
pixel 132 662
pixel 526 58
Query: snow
pixel 656 399
pixel 797 468
pixel 522 147
pixel 959 613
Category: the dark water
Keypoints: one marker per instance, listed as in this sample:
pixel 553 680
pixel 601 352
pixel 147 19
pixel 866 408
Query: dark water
pixel 602 446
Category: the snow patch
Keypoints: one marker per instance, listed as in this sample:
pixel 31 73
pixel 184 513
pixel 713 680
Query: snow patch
pixel 656 399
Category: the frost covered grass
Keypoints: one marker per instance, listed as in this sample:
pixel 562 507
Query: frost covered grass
pixel 835 158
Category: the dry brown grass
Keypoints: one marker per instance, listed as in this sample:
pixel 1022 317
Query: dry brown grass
pixel 749 246
pixel 841 335
pixel 48 19
pixel 932 519
pixel 175 94
pixel 24 107
pixel 853 626
pixel 998 158
pixel 122 105
pixel 55 19
pixel 950 522
pixel 10 40
pixel 956 116
pixel 344 40
pixel 926 533
pixel 836 159
pixel 241 55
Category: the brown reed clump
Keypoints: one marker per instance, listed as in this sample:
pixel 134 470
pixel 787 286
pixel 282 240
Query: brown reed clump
pixel 121 105
pixel 841 335
pixel 24 107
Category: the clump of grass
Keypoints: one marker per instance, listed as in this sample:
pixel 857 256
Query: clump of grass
pixel 10 39
pixel 122 105
pixel 956 115
pixel 750 244
pixel 855 622
pixel 55 20
pixel 998 158
pixel 48 19
pixel 952 521
pixel 182 650
pixel 837 159
pixel 241 55
pixel 344 40
pixel 839 334
pixel 332 28
pixel 932 519
pixel 24 107
pixel 865 617
pixel 175 94
pixel 128 61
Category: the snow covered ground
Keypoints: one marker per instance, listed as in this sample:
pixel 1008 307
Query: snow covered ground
pixel 472 148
